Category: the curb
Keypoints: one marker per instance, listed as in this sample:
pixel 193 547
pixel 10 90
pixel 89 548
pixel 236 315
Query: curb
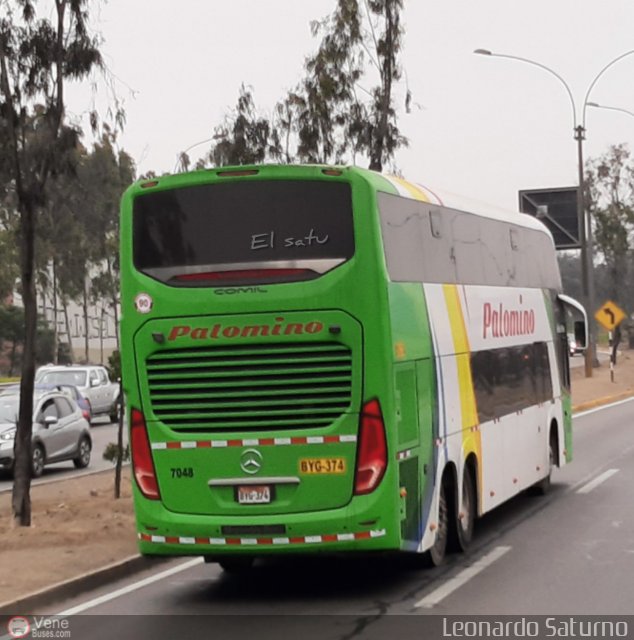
pixel 76 586
pixel 73 476
pixel 599 402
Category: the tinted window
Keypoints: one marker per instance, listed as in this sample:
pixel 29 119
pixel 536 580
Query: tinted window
pixel 510 379
pixel 49 410
pixel 243 222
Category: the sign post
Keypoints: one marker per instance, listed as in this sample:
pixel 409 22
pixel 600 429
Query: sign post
pixel 610 315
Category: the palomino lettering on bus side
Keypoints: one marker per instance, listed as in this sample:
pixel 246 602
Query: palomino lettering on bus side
pixel 279 328
pixel 502 322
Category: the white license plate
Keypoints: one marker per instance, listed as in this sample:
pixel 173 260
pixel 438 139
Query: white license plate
pixel 254 494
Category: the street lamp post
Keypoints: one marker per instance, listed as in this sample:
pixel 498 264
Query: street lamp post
pixel 583 213
pixel 602 106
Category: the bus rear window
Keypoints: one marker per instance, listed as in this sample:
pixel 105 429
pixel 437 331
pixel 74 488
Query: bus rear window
pixel 243 232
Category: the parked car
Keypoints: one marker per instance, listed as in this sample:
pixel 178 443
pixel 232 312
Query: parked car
pixel 93 382
pixel 60 432
pixel 69 389
pixel 40 371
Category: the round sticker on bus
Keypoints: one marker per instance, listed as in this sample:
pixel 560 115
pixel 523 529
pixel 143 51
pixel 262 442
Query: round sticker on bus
pixel 143 303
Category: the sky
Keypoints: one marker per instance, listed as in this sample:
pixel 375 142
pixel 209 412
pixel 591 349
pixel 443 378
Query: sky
pixel 482 127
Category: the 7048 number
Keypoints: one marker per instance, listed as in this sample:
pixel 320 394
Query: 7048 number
pixel 182 472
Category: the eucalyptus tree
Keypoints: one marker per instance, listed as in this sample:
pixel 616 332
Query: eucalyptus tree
pixel 344 105
pixel 244 137
pixel 38 56
pixel 342 109
pixel 610 190
pixel 103 175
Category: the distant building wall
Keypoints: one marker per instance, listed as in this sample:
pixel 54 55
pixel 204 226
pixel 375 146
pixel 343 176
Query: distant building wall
pixel 102 337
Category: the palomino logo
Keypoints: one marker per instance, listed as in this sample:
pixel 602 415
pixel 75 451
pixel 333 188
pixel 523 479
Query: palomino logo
pixel 502 322
pixel 278 328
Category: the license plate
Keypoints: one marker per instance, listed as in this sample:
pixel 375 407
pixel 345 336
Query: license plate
pixel 254 494
pixel 323 466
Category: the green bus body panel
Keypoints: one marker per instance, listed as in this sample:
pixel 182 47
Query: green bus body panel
pixel 321 512
pixel 415 389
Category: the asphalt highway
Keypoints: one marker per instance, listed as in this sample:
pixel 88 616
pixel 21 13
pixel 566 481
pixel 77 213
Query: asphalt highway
pixel 570 553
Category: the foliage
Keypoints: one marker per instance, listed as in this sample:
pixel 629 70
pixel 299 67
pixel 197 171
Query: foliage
pixel 114 365
pixel 610 191
pixel 12 338
pixel 111 453
pixel 329 116
pixel 243 137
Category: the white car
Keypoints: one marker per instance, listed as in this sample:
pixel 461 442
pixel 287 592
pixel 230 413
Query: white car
pixel 94 383
pixel 60 432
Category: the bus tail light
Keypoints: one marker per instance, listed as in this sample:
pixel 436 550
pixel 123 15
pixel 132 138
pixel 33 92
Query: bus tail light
pixel 142 462
pixel 372 449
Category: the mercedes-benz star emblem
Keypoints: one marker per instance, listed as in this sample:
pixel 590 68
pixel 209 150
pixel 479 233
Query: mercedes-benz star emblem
pixel 251 461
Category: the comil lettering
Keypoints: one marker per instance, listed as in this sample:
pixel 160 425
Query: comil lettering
pixel 216 331
pixel 501 322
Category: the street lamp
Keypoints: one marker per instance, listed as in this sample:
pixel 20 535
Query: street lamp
pixel 602 106
pixel 583 214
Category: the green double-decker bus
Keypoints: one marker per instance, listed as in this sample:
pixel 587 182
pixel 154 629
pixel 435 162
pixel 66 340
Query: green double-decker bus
pixel 327 359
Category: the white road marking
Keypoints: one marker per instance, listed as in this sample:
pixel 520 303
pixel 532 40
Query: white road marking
pixel 131 587
pixel 597 481
pixel 602 407
pixel 439 594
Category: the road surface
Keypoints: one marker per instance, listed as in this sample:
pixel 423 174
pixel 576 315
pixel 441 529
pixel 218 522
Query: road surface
pixel 570 553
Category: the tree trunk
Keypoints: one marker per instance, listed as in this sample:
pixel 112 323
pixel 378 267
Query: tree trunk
pixel 21 501
pixel 377 156
pixel 67 322
pixel 115 302
pixel 55 333
pixel 86 327
pixel 117 472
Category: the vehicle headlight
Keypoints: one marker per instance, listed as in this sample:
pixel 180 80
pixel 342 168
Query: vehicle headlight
pixel 8 435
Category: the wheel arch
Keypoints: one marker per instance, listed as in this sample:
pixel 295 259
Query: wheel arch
pixel 553 434
pixel 471 466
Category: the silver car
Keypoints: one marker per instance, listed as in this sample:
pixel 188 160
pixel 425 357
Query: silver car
pixel 60 432
pixel 94 383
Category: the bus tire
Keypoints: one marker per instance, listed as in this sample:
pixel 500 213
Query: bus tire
pixel 236 564
pixel 465 517
pixel 435 555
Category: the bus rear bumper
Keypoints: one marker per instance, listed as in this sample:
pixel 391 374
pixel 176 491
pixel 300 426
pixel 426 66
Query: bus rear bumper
pixel 161 532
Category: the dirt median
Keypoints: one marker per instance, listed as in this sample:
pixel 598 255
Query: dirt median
pixel 79 527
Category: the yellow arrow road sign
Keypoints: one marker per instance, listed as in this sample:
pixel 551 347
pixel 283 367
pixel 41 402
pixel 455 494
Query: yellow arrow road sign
pixel 609 315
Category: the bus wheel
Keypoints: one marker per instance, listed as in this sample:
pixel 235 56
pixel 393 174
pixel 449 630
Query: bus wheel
pixel 236 564
pixel 465 517
pixel 435 555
